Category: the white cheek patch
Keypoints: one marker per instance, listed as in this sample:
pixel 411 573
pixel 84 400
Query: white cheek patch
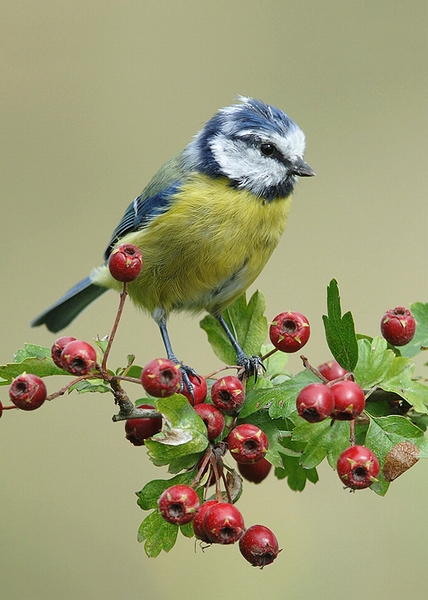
pixel 247 165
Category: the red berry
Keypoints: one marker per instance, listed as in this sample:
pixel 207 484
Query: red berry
pixel 315 402
pixel 125 263
pixel 27 391
pixel 331 370
pixel 78 358
pixel 213 419
pixel 259 545
pixel 398 326
pixel 178 504
pixel 289 331
pixel 228 393
pixel 161 378
pixel 255 472
pixel 1 409
pixel 198 521
pixel 137 430
pixel 223 523
pixel 357 467
pixel 349 400
pixel 247 443
pixel 200 390
pixel 57 348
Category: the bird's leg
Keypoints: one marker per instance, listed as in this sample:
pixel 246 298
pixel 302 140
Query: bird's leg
pixel 185 370
pixel 250 364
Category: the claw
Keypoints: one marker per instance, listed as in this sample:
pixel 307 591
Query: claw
pixel 251 365
pixel 186 371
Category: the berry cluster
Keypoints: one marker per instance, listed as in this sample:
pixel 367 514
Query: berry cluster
pixel 213 416
pixel 214 520
pixel 341 399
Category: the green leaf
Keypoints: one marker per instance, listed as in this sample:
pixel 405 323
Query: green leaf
pixel 340 330
pixel 246 322
pixel 157 533
pixel 384 433
pixel 30 359
pixel 275 364
pixel 420 340
pixel 379 367
pixel 295 473
pixel 184 433
pixel 90 385
pixel 321 440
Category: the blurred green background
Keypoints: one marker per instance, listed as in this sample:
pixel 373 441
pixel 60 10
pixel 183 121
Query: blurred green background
pixel 95 96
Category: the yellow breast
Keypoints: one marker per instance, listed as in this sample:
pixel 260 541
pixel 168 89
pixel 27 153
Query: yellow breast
pixel 207 248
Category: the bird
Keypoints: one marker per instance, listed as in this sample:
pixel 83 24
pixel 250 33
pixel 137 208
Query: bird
pixel 206 224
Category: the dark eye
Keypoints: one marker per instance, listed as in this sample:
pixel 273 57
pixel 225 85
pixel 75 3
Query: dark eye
pixel 267 149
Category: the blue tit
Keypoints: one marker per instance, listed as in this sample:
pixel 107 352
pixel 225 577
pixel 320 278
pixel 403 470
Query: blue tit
pixel 207 222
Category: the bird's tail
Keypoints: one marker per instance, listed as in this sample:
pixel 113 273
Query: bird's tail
pixel 60 314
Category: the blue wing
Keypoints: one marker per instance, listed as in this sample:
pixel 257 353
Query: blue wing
pixel 153 201
pixel 140 212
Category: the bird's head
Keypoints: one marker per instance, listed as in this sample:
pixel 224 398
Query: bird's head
pixel 255 145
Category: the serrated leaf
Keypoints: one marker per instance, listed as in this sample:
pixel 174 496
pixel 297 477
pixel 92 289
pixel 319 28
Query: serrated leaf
pixel 31 359
pixel 379 367
pixel 340 330
pixel 157 533
pixel 420 340
pixel 384 433
pixel 321 440
pixel 246 322
pixel 181 419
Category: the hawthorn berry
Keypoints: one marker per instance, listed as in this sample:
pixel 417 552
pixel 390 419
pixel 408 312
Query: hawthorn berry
pixel 315 402
pixel 398 326
pixel 349 400
pixel 161 378
pixel 247 443
pixel 78 358
pixel 178 504
pixel 27 391
pixel 200 390
pixel 357 467
pixel 258 545
pixel 255 472
pixel 331 370
pixel 227 393
pixel 125 263
pixel 198 521
pixel 213 419
pixel 289 331
pixel 223 523
pixel 139 429
pixel 57 348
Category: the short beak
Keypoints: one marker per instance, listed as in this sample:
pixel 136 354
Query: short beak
pixel 301 168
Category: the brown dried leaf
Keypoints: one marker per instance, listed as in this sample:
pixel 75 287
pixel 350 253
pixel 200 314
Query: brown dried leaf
pixel 399 459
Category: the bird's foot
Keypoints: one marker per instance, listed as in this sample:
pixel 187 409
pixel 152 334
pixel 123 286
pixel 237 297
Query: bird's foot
pixel 186 384
pixel 250 365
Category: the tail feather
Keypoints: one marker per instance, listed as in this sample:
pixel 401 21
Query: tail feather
pixel 60 314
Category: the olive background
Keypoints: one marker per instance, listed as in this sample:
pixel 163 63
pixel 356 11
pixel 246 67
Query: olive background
pixel 95 96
